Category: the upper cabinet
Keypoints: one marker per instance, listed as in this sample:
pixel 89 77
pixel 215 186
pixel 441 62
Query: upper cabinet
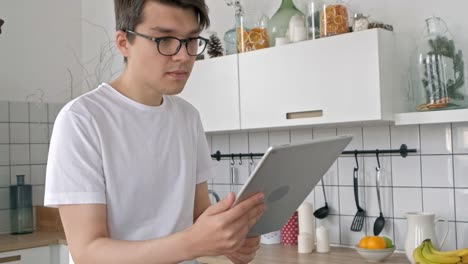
pixel 213 88
pixel 340 79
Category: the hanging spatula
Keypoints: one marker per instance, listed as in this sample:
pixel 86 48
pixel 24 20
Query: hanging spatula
pixel 358 221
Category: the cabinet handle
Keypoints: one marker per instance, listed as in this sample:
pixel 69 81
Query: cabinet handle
pixel 304 114
pixel 10 259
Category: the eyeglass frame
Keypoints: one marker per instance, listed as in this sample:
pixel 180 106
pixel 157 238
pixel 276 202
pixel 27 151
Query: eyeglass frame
pixel 157 40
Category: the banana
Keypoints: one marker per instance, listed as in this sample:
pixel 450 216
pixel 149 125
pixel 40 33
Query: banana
pixel 419 257
pixel 438 256
pixel 458 253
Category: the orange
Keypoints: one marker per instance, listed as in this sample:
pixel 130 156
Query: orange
pixel 376 242
pixel 363 242
pixel 242 35
pixel 339 20
pixel 255 37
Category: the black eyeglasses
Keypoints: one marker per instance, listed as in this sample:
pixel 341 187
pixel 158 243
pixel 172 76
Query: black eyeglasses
pixel 170 46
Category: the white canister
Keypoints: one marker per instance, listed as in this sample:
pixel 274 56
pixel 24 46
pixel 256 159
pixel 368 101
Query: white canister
pixel 305 243
pixel 295 21
pixel 323 244
pixel 299 34
pixel 271 238
pixel 281 41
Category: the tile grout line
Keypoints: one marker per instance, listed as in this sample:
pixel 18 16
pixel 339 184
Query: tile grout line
pixel 453 185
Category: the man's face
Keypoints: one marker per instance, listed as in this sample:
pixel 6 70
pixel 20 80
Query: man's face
pixel 164 74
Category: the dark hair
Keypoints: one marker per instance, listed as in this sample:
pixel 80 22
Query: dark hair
pixel 128 13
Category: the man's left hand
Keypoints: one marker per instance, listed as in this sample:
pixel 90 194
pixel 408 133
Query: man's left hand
pixel 246 252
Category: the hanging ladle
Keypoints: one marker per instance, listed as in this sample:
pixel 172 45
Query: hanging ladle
pixel 322 212
pixel 380 221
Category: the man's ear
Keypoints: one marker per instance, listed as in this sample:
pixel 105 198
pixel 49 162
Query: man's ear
pixel 121 42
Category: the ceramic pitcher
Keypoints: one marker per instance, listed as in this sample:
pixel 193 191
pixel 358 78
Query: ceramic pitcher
pixel 420 227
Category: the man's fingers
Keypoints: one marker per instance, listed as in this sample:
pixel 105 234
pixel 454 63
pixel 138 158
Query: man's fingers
pixel 252 241
pixel 245 206
pixel 222 205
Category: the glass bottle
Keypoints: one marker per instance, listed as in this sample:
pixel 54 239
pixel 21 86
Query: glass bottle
pixel 312 13
pixel 334 18
pixel 21 207
pixel 440 67
pixel 279 22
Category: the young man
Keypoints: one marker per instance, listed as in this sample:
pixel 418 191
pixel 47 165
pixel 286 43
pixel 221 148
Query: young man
pixel 128 162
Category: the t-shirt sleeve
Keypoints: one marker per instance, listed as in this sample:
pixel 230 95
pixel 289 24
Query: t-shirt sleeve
pixel 74 168
pixel 205 170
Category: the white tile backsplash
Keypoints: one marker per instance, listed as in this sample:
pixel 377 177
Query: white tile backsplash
pixel 461 202
pixel 332 223
pixel 301 135
pixel 220 142
pixel 37 113
pixel 450 242
pixel 460 167
pixel 4 155
pixel 323 132
pixel 38 195
pixel 4 176
pixel 436 139
pixel 370 172
pixel 38 173
pixel 460 138
pixel 406 200
pixel 39 133
pixel 4 198
pixel 346 165
pixel 348 237
pixel 408 135
pixel 332 198
pixel 356 132
pixel 238 142
pixel 39 153
pixel 279 137
pixel 462 235
pixel 53 110
pixel 4 116
pixel 5 221
pixel 406 171
pixel 439 201
pixel 4 133
pixel 400 228
pixel 19 112
pixel 372 205
pixel 258 142
pixel 19 154
pixel 20 170
pixel 437 171
pixel 377 137
pixel 19 133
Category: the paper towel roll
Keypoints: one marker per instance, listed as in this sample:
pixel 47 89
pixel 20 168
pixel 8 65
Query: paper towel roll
pixel 306 218
pixel 305 243
pixel 323 244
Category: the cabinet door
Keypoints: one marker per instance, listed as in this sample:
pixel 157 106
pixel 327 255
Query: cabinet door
pixel 213 89
pixel 340 79
pixel 39 255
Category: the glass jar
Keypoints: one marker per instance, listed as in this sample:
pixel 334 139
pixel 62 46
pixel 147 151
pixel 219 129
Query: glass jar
pixel 312 14
pixel 279 22
pixel 360 22
pixel 21 207
pixel 334 18
pixel 252 32
pixel 440 78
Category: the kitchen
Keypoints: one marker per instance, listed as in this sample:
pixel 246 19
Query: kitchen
pixel 431 180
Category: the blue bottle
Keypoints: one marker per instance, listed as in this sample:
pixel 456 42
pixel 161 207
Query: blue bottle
pixel 21 213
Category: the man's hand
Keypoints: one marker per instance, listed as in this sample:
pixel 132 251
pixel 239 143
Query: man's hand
pixel 222 230
pixel 246 252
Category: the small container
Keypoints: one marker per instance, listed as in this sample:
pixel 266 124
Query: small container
pixel 360 22
pixel 323 243
pixel 334 19
pixel 21 216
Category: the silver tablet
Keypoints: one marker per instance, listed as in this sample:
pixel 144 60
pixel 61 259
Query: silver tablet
pixel 286 174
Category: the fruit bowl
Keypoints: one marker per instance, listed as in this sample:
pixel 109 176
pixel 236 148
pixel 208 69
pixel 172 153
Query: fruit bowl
pixel 375 255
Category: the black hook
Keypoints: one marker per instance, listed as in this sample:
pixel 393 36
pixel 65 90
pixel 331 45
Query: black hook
pixel 232 159
pixel 251 158
pixel 240 158
pixel 355 157
pixel 377 156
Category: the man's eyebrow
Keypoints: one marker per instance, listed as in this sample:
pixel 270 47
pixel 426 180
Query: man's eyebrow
pixel 169 30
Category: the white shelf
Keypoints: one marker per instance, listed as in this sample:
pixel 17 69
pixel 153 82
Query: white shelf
pixel 432 117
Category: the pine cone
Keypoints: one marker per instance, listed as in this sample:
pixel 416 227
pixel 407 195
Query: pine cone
pixel 215 47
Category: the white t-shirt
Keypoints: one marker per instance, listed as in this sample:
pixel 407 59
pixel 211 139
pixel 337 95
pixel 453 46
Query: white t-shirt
pixel 142 161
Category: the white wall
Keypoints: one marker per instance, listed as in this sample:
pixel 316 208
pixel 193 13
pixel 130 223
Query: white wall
pixel 37 45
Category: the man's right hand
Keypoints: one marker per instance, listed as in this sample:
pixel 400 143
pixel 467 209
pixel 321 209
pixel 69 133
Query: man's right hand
pixel 221 229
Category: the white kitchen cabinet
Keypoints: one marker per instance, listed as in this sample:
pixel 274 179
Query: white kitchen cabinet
pixel 38 255
pixel 213 89
pixel 59 254
pixel 341 79
pixel 432 117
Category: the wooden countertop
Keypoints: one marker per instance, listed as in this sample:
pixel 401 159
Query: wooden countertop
pixel 276 254
pixel 268 254
pixel 36 239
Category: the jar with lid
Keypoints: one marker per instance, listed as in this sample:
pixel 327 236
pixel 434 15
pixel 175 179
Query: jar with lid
pixel 439 82
pixel 334 18
pixel 360 22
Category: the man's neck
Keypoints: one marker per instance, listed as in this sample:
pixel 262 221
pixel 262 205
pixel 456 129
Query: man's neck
pixel 137 91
